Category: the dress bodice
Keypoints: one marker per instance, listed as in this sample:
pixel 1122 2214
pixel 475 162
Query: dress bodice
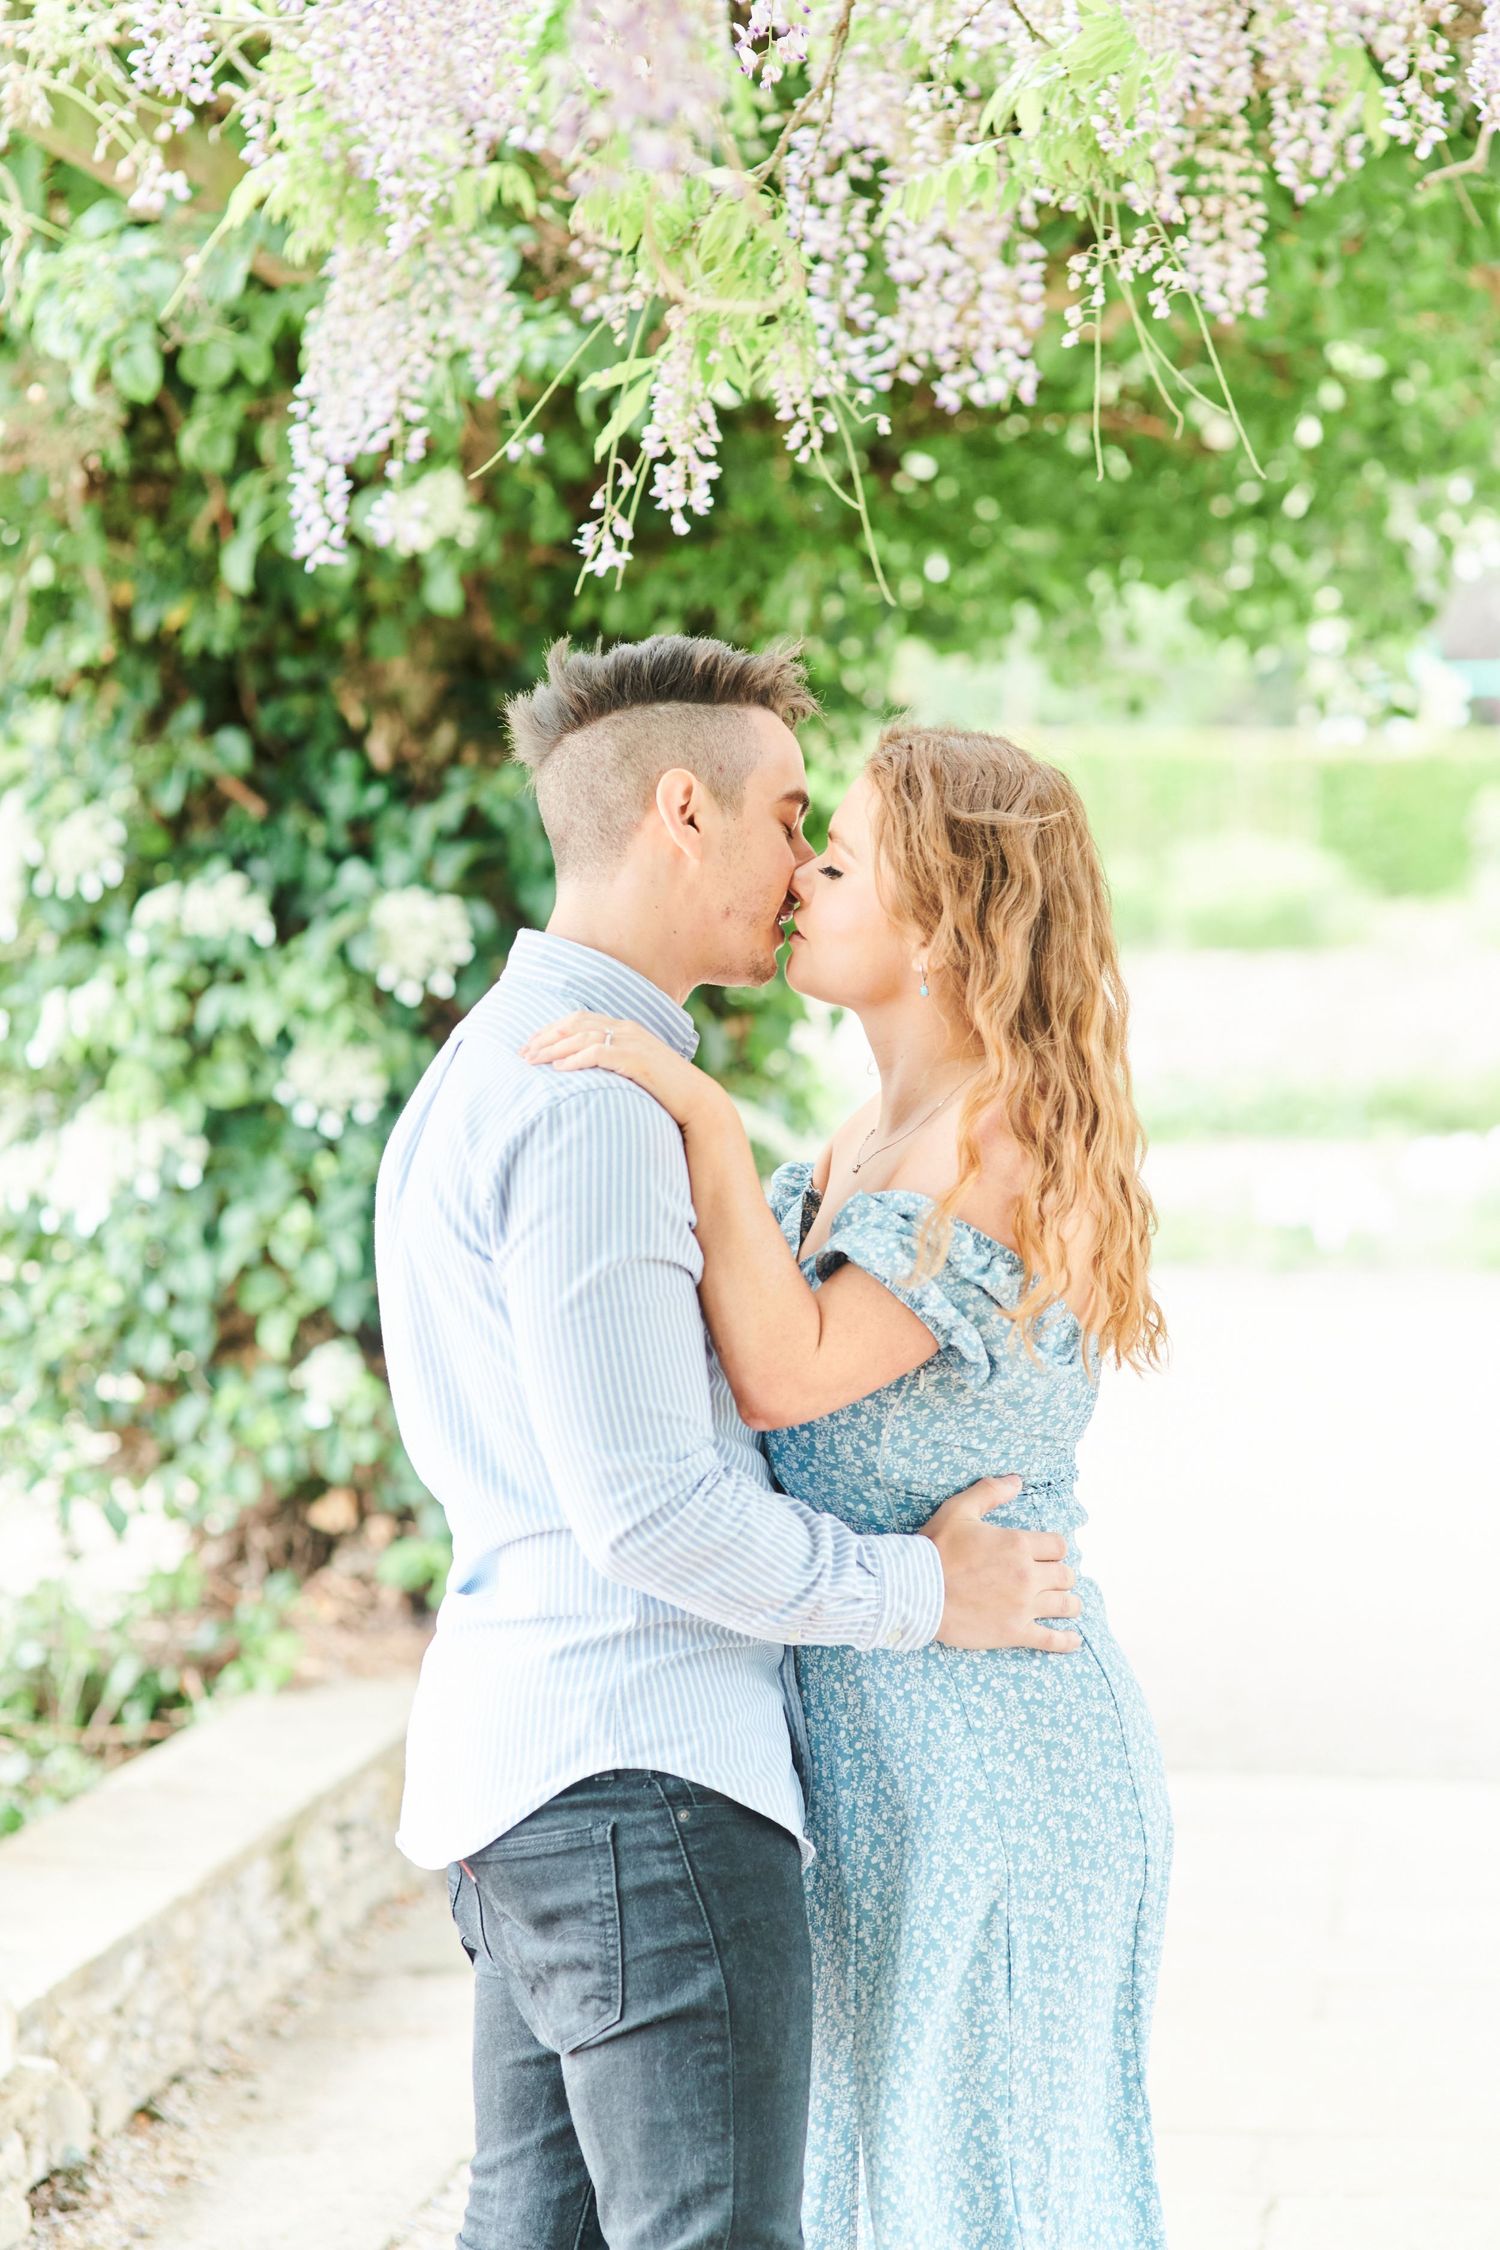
pixel 984 1406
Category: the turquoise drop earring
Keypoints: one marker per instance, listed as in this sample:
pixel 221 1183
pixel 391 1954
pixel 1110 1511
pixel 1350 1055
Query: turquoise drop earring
pixel 924 980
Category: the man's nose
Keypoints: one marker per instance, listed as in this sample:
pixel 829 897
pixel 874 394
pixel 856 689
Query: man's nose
pixel 804 855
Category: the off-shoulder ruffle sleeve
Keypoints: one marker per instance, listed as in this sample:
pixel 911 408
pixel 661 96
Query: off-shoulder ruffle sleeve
pixel 879 1234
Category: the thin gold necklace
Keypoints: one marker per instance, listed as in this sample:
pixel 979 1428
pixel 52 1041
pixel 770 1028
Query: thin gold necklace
pixel 865 1156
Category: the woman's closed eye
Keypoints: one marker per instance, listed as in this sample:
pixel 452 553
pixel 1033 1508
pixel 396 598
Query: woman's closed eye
pixel 834 874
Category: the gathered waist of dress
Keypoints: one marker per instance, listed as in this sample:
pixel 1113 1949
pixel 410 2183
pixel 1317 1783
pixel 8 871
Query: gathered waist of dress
pixel 1042 1504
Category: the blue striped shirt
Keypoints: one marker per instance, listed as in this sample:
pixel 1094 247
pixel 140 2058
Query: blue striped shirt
pixel 624 1579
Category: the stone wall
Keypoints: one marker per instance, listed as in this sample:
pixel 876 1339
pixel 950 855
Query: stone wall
pixel 173 1904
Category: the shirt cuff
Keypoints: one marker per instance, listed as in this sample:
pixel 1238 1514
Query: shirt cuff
pixel 909 1578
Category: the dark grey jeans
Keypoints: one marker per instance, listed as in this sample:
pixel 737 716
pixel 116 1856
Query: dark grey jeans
pixel 642 2023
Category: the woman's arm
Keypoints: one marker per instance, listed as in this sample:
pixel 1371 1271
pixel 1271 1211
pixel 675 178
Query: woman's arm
pixel 790 1352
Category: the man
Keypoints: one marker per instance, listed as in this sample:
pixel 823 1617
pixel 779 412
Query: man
pixel 600 1750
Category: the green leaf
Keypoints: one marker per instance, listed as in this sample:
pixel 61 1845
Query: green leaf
pixel 317 1276
pixel 516 189
pixel 209 440
pixel 442 583
pixel 208 364
pixel 135 366
pixel 255 358
pixel 1030 111
pixel 633 403
pixel 727 226
pixel 276 1331
pixel 238 553
pixel 256 187
pixel 610 378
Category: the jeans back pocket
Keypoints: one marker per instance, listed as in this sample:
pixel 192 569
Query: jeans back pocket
pixel 545 1910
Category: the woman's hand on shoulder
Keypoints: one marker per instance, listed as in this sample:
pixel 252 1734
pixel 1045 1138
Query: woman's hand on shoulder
pixel 586 1041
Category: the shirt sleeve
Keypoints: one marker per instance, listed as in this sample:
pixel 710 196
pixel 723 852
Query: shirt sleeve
pixel 597 1257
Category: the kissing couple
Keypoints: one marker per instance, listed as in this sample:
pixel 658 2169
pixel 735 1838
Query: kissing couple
pixel 803 1822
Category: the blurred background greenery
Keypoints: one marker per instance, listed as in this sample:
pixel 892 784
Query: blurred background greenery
pixel 259 850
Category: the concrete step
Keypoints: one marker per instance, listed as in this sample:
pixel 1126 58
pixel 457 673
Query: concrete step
pixel 177 1903
pixel 328 2129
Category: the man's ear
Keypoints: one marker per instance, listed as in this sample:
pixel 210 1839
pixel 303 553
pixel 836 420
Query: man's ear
pixel 680 798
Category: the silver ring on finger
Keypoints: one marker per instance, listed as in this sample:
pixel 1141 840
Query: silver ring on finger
pixel 609 1038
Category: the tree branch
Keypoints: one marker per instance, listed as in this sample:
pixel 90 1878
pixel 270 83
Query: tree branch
pixel 213 168
pixel 815 94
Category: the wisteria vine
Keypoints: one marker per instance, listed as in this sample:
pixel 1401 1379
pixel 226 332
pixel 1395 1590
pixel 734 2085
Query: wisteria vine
pixel 818 203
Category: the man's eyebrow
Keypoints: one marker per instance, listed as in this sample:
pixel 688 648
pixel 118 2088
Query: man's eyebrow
pixel 795 797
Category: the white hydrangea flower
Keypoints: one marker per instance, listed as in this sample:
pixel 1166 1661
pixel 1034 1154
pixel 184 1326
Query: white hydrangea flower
pixel 328 1379
pixel 70 1012
pixel 119 1390
pixel 77 1172
pixel 213 907
pixel 18 853
pixel 83 856
pixel 324 1084
pixel 421 939
pixel 412 518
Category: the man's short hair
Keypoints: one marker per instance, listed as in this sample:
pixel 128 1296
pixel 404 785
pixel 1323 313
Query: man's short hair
pixel 598 734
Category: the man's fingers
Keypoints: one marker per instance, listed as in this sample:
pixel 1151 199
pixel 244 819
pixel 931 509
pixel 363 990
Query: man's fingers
pixel 1046 1546
pixel 1059 1605
pixel 989 1492
pixel 1054 1643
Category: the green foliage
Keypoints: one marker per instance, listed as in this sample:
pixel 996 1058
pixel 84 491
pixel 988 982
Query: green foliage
pixel 1243 890
pixel 1419 1103
pixel 261 851
pixel 1254 891
pixel 1405 826
pixel 1394 823
pixel 79 1692
pixel 259 848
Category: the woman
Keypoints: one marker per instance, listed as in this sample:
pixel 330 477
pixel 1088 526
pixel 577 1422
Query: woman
pixel 927 1304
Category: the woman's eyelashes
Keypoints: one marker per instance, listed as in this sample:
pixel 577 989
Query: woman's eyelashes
pixel 834 874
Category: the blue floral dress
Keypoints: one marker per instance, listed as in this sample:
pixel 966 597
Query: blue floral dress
pixel 992 1830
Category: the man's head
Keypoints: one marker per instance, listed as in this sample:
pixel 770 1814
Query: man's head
pixel 669 779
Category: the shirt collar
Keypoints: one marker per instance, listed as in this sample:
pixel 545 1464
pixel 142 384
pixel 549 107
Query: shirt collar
pixel 591 979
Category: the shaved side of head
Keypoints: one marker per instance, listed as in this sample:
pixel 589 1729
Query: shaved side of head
pixel 598 734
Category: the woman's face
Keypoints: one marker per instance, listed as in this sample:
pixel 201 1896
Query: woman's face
pixel 846 949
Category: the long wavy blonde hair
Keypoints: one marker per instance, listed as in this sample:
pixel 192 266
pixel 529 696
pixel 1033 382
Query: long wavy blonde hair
pixel 986 854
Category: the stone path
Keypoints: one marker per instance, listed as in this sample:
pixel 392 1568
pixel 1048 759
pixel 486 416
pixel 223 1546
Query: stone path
pixel 1326 2068
pixel 1296 1528
pixel 1296 1532
pixel 322 2132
